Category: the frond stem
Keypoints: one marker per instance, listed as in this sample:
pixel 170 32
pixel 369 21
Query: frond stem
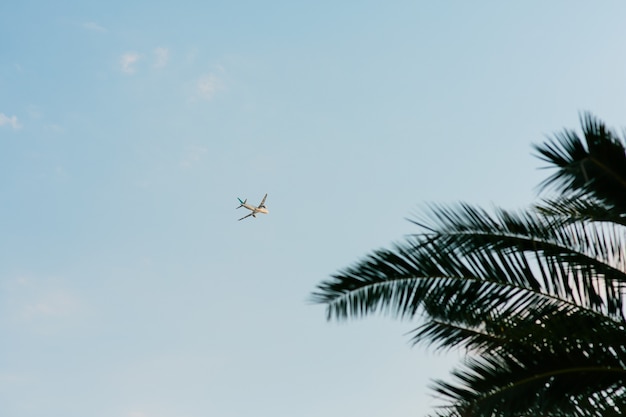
pixel 503 285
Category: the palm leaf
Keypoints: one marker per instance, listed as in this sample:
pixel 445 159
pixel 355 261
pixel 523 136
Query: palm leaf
pixel 594 167
pixel 502 286
pixel 577 208
pixel 553 375
pixel 536 298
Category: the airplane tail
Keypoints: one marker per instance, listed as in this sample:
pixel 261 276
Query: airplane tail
pixel 242 202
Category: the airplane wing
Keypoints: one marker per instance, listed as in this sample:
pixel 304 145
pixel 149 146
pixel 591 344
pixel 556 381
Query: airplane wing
pixel 247 216
pixel 263 202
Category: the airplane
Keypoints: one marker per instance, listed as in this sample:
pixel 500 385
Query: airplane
pixel 259 209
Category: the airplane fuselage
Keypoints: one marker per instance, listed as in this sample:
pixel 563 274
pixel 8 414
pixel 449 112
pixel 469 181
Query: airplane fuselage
pixel 254 209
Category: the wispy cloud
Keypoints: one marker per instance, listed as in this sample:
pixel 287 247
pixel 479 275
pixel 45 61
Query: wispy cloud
pixel 93 26
pixel 54 128
pixel 207 86
pixel 8 379
pixel 52 304
pixel 36 301
pixel 128 61
pixel 34 112
pixel 162 55
pixel 192 155
pixel 10 121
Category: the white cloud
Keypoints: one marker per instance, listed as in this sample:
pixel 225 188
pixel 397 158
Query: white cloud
pixel 162 55
pixel 39 300
pixel 34 111
pixel 11 379
pixel 128 61
pixel 93 26
pixel 207 86
pixel 52 304
pixel 54 128
pixel 192 155
pixel 11 121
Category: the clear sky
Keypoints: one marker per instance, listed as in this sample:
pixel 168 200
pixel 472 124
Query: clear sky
pixel 129 128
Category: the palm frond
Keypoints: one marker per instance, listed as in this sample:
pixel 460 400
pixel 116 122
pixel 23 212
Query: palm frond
pixel 536 298
pixel 555 378
pixel 483 268
pixel 572 259
pixel 579 208
pixel 506 329
pixel 504 286
pixel 594 166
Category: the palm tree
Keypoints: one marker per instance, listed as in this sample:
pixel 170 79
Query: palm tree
pixel 535 298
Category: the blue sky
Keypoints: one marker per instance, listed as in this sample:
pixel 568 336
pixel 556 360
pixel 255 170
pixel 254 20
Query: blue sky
pixel 129 129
